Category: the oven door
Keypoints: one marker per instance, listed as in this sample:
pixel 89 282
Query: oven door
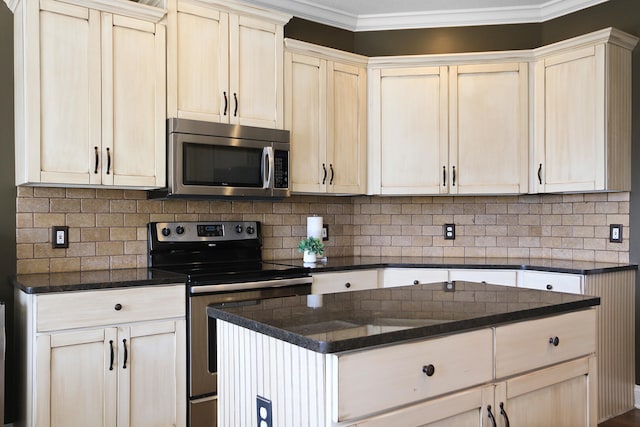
pixel 203 387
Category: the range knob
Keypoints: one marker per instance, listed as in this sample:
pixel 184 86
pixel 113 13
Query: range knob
pixel 180 229
pixel 166 232
pixel 238 229
pixel 250 229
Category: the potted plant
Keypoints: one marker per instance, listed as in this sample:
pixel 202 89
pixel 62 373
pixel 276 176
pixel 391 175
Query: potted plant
pixel 312 247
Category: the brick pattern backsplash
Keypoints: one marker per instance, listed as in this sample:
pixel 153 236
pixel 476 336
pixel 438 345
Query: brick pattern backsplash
pixel 107 228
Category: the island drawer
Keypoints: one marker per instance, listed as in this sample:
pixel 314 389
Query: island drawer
pixel 387 377
pixel 409 276
pixel 524 346
pixel 357 280
pixel 68 310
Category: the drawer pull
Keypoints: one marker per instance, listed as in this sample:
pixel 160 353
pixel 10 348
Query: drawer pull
pixel 504 414
pixel 549 287
pixel 491 417
pixel 126 354
pixel 416 282
pixel 429 369
pixel 112 355
pixel 117 307
pixel 555 341
pixel 347 285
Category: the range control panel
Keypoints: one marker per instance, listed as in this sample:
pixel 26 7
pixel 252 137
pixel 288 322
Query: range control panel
pixel 199 231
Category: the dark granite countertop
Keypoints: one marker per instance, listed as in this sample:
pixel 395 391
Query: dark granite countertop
pixel 92 280
pixel 538 264
pixel 355 320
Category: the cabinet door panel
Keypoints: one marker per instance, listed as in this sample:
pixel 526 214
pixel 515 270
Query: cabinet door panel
pixel 68 95
pixel 489 128
pixel 413 134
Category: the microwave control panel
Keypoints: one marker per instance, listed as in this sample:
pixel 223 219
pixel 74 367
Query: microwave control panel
pixel 281 166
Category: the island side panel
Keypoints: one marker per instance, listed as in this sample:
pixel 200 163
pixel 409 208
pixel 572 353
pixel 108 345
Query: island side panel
pixel 251 364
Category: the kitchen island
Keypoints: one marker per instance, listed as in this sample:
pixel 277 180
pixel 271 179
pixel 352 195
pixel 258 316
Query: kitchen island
pixel 410 356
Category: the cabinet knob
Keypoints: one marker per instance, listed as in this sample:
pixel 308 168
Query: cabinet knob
pixel 347 285
pixel 555 341
pixel 416 282
pixel 429 369
pixel 117 307
pixel 549 287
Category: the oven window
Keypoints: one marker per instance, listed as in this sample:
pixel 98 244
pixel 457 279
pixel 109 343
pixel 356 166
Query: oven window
pixel 218 165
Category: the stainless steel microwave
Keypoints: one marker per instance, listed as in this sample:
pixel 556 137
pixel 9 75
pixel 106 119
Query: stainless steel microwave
pixel 220 160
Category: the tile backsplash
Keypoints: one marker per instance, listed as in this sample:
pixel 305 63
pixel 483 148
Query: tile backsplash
pixel 107 228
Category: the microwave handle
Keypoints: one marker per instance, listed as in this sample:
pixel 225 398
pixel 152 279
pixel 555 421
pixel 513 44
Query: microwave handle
pixel 267 166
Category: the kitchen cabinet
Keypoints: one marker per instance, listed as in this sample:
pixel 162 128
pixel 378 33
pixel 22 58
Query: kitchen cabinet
pixel 583 114
pixel 544 280
pixel 225 63
pixel 439 128
pixel 328 283
pixel 90 94
pixel 325 110
pixel 110 357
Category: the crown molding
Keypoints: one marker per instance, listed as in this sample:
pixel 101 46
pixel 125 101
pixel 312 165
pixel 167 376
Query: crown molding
pixel 428 19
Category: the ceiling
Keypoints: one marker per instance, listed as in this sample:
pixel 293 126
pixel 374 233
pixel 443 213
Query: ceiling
pixel 371 15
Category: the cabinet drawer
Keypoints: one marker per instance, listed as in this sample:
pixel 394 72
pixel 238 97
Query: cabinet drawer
pixel 387 377
pixel 409 276
pixel 523 346
pixel 569 283
pixel 96 308
pixel 328 283
pixel 493 277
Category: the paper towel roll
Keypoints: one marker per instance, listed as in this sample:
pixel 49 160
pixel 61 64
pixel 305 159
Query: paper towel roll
pixel 314 227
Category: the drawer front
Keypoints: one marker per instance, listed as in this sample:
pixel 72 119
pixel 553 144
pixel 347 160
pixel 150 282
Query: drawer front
pixel 387 377
pixel 528 345
pixel 493 277
pixel 328 283
pixel 409 276
pixel 569 283
pixel 107 307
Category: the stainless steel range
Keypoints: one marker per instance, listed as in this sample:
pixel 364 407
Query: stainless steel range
pixel 222 261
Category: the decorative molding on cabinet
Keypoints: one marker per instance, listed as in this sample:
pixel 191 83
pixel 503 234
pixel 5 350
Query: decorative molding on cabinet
pixel 328 53
pixel 245 9
pixel 147 12
pixel 607 35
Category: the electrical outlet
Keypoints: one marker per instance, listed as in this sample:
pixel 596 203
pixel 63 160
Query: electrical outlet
pixel 59 236
pixel 615 233
pixel 449 232
pixel 449 286
pixel 325 232
pixel 263 408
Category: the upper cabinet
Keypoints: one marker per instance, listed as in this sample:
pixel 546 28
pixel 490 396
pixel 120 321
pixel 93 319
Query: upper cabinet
pixel 325 110
pixel 583 114
pixel 448 129
pixel 90 93
pixel 225 63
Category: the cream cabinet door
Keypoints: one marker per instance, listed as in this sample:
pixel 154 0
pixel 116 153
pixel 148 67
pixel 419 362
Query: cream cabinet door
pixel 409 130
pixel 346 128
pixel 256 61
pixel 151 374
pixel 488 129
pixel 58 85
pixel 197 62
pixel 75 378
pixel 305 102
pixel 133 102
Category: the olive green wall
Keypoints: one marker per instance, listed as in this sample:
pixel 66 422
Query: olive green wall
pixel 621 14
pixel 7 202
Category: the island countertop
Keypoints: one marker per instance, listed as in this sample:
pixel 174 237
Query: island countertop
pixel 356 320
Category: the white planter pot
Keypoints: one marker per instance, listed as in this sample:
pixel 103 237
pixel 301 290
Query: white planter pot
pixel 309 257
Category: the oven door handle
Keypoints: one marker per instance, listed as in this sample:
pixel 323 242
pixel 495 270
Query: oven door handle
pixel 225 287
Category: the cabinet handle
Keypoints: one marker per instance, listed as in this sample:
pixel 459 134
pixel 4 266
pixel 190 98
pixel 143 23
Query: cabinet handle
pixel 347 285
pixel 549 287
pixel 112 355
pixel 331 169
pixel 95 170
pixel 540 174
pixel 117 307
pixel 235 98
pixel 555 341
pixel 126 353
pixel 444 176
pixel 491 417
pixel 324 177
pixel 226 103
pixel 416 282
pixel 453 180
pixel 108 160
pixel 504 414
pixel 429 370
